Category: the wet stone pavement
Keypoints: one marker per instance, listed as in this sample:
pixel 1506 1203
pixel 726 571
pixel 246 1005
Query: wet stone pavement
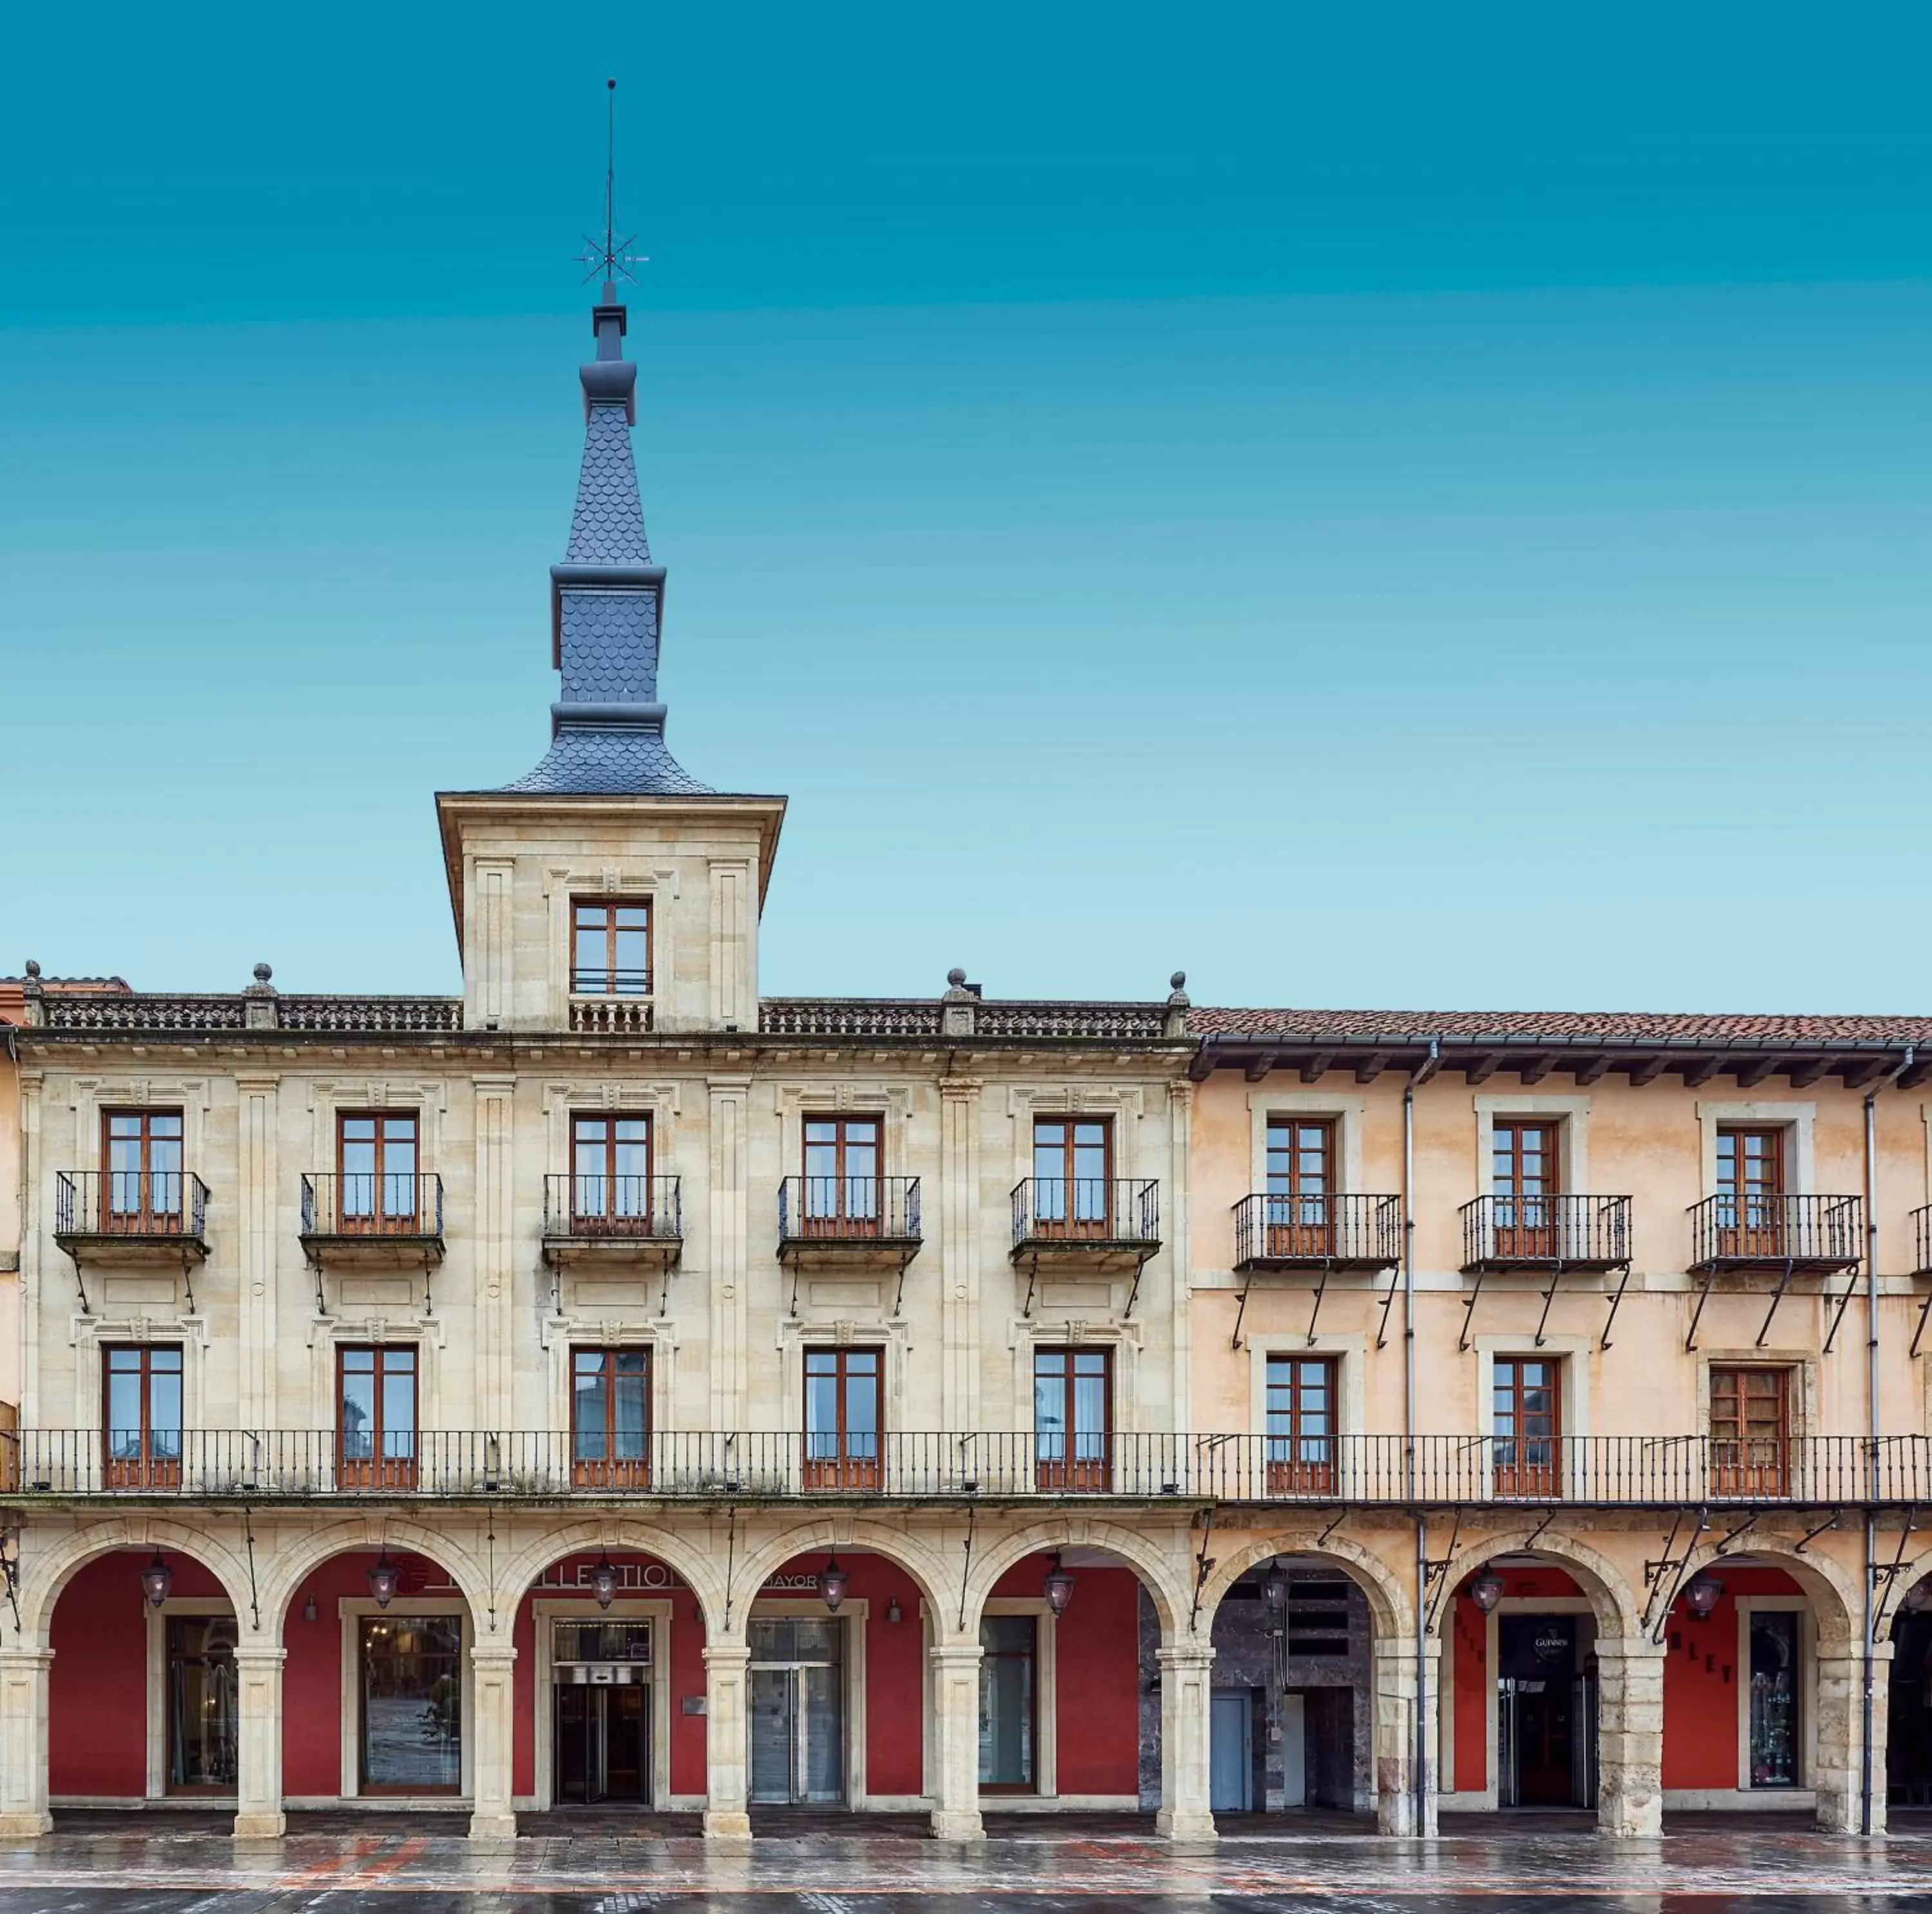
pixel 342 1864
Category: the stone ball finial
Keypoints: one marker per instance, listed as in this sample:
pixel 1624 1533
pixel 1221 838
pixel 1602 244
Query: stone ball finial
pixel 33 968
pixel 262 973
pixel 1179 980
pixel 955 976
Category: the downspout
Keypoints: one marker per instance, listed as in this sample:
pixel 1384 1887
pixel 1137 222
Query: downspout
pixel 1419 1759
pixel 1875 1430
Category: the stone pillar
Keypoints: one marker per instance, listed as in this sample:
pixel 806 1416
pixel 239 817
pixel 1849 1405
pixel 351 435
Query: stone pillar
pixel 955 1754
pixel 258 1789
pixel 1393 1666
pixel 1629 1737
pixel 1838 1775
pixel 1185 1670
pixel 727 1745
pixel 1881 1725
pixel 493 1815
pixel 23 1742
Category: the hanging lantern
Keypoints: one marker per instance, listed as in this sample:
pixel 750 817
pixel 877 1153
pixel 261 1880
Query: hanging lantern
pixel 1059 1586
pixel 157 1579
pixel 1918 1597
pixel 604 1580
pixel 1274 1588
pixel 1701 1596
pixel 1487 1590
pixel 833 1583
pixel 384 1579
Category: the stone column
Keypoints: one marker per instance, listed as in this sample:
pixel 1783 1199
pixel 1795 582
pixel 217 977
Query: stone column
pixel 727 1732
pixel 493 1815
pixel 1837 1774
pixel 23 1742
pixel 955 1762
pixel 1185 1669
pixel 258 1789
pixel 1394 1666
pixel 1629 1737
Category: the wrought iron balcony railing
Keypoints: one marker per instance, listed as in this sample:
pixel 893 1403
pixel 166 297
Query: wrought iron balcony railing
pixel 1547 1232
pixel 1106 1212
pixel 149 1206
pixel 613 1208
pixel 1922 1241
pixel 1650 1471
pixel 1309 1232
pixel 856 1210
pixel 1818 1233
pixel 358 1206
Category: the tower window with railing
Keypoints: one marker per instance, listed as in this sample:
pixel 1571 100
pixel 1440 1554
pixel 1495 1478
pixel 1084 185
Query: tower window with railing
pixel 610 948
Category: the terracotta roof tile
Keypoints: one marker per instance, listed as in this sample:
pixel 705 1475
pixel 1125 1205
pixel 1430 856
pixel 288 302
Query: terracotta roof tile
pixel 1606 1027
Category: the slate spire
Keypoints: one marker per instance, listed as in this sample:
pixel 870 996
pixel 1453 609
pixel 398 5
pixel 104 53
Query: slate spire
pixel 606 605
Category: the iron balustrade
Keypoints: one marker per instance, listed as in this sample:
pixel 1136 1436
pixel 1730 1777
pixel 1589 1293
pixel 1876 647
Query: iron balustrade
pixel 1100 1210
pixel 1647 1471
pixel 848 1209
pixel 171 1205
pixel 1547 1232
pixel 598 980
pixel 650 1208
pixel 1748 1231
pixel 1362 1231
pixel 1922 1241
pixel 371 1204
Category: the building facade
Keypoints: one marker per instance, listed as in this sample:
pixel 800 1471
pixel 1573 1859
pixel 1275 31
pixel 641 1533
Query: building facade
pixel 618 1386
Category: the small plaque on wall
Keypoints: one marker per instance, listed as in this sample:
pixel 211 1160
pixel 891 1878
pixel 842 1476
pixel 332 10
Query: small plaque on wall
pixel 691 1705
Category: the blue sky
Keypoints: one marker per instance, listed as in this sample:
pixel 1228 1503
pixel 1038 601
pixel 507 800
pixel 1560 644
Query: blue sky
pixel 1373 506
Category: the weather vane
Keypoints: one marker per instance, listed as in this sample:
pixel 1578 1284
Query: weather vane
pixel 611 258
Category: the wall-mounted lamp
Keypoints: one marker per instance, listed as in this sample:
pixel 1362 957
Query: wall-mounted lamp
pixel 893 1614
pixel 309 1612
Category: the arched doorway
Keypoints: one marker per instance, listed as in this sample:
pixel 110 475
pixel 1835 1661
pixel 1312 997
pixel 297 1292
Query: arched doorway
pixel 1908 1705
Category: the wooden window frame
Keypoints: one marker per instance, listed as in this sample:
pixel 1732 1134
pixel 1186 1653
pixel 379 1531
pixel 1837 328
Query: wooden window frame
pixel 1300 1223
pixel 147 1470
pixel 148 1216
pixel 611 1471
pixel 1751 1222
pixel 607 980
pixel 1526 1465
pixel 379 1219
pixel 842 1469
pixel 377 1470
pixel 1072 1473
pixel 1292 1472
pixel 1070 1224
pixel 1742 1464
pixel 1525 1221
pixel 614 1219
pixel 826 1207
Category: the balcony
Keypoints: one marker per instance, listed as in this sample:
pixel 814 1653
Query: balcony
pixel 611 1003
pixel 1660 1473
pixel 1096 1225
pixel 131 1219
pixel 1546 1233
pixel 858 1218
pixel 372 1223
pixel 1814 1235
pixel 1317 1232
pixel 617 1222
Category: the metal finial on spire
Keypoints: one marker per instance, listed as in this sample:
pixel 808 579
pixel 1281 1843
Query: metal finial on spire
pixel 611 259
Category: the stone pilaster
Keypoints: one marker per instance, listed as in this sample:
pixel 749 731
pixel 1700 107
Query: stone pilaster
pixel 1180 1256
pixel 727 1746
pixel 1630 1738
pixel 959 1221
pixel 495 1251
pixel 256 1189
pixel 258 1791
pixel 1395 1702
pixel 730 1100
pixel 1185 1670
pixel 493 1816
pixel 23 1742
pixel 956 1767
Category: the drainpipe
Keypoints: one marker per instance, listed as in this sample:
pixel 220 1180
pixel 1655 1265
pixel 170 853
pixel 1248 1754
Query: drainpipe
pixel 1875 1428
pixel 1420 1760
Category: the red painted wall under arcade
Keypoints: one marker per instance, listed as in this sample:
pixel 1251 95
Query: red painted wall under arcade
pixel 97 1688
pixel 1097 1689
pixel 1475 1692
